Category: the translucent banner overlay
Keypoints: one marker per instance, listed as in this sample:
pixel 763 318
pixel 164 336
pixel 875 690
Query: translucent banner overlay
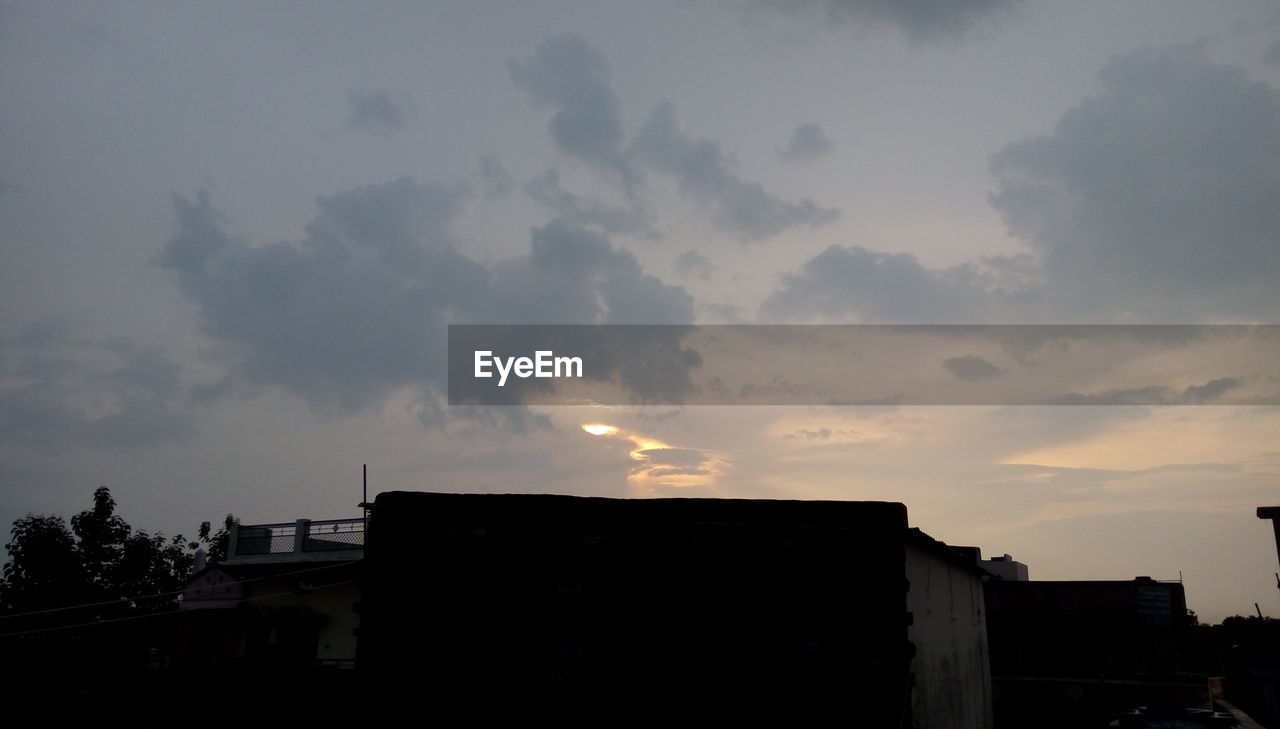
pixel 864 365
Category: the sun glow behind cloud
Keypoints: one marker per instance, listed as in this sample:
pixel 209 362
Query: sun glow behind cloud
pixel 658 468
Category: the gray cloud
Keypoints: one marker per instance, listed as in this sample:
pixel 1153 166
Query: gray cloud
pixel 96 36
pixel 808 143
pixel 921 20
pixel 712 313
pixel 575 79
pixel 342 317
pixel 1164 182
pixel 1271 56
pixel 807 434
pixel 631 297
pixel 378 112
pixel 875 287
pixel 357 308
pixel 574 276
pixel 693 264
pixel 743 207
pixel 674 456
pixel 546 189
pixel 494 180
pixel 61 388
pixel 1211 390
pixel 1207 393
pixel 971 368
pixel 1154 200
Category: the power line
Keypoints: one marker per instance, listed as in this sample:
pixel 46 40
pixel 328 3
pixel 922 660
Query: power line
pixel 167 612
pixel 123 600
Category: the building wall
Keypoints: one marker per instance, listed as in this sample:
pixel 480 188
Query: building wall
pixel 1006 568
pixel 1085 628
pixel 332 609
pixel 719 606
pixel 951 667
pixel 272 614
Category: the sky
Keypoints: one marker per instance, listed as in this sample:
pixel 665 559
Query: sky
pixel 232 237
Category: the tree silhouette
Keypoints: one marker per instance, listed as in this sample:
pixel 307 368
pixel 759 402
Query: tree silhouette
pixel 44 568
pixel 101 534
pixel 218 543
pixel 100 558
pixel 150 565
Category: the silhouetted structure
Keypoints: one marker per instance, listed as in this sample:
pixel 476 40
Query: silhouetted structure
pixel 952 678
pixel 589 604
pixel 1066 653
pixel 586 608
pixel 285 595
pixel 1272 513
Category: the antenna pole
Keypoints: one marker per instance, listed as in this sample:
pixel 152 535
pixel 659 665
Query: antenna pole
pixel 364 500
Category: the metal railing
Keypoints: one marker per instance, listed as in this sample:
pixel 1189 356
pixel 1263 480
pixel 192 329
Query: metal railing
pixel 301 536
pixel 334 534
pixel 265 539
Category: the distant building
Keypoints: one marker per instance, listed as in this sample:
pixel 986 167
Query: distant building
pixel 649 604
pixel 1085 627
pixel 1006 568
pixel 1062 651
pixel 285 594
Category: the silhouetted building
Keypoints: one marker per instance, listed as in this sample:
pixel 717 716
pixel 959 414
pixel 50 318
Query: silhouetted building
pixel 1064 651
pixel 286 594
pixel 615 606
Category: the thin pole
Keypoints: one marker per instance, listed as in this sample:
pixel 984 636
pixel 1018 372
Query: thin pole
pixel 364 497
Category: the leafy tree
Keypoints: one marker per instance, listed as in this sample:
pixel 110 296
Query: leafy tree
pixel 150 565
pixel 218 543
pixel 100 558
pixel 44 568
pixel 101 534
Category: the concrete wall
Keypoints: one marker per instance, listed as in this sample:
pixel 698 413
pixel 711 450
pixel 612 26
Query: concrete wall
pixel 334 608
pixel 951 667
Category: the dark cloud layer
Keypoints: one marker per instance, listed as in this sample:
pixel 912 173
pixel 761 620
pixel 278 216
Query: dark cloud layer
pixel 575 79
pixel 378 112
pixel 574 276
pixel 808 143
pixel 743 207
pixel 1154 200
pixel 493 177
pixel 357 308
pixel 1157 196
pixel 61 388
pixel 1207 393
pixel 693 264
pixel 921 20
pixel 842 283
pixel 971 368
pixel 342 317
pixel 632 219
pixel 1272 55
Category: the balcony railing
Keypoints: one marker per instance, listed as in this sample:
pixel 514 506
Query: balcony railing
pixel 299 540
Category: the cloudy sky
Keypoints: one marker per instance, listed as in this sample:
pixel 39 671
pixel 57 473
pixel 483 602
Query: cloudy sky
pixel 233 236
